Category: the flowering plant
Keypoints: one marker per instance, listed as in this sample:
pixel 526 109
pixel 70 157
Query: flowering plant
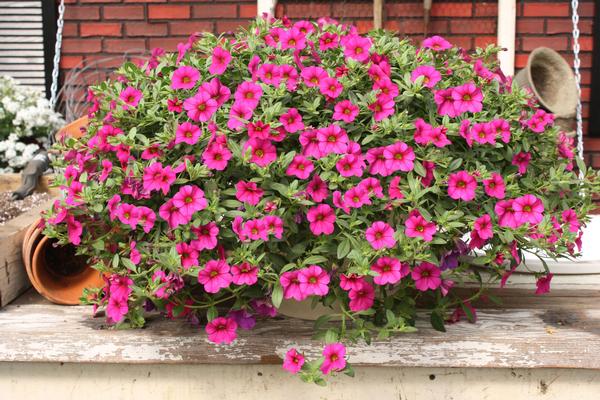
pixel 305 161
pixel 26 120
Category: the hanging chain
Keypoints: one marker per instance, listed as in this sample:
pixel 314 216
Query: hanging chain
pixel 56 67
pixel 576 66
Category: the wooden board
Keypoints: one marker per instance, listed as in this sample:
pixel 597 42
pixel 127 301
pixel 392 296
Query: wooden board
pixel 562 335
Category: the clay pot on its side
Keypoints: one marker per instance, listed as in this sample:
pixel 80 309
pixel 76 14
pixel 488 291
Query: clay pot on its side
pixel 74 129
pixel 55 271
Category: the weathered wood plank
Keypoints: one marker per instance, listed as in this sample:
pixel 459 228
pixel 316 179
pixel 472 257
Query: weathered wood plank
pixel 513 338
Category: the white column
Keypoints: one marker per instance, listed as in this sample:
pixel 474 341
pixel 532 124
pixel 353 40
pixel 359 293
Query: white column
pixel 266 6
pixel 507 18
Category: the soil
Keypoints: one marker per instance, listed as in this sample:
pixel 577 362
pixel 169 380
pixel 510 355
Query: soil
pixel 62 261
pixel 10 208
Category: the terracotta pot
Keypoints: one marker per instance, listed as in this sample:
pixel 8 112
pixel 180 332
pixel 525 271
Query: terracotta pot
pixel 73 129
pixel 56 272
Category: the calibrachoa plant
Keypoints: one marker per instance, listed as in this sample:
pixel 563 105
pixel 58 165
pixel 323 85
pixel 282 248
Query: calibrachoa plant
pixel 304 161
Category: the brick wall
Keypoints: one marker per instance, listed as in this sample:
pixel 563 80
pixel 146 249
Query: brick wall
pixel 96 29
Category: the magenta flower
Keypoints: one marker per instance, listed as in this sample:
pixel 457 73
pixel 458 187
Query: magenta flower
pixel 200 107
pixel 467 98
pixel 171 213
pixel 328 40
pixel 361 299
pixel 291 286
pixel 216 157
pixel 134 255
pixel 248 192
pixel 376 159
pixel 569 217
pixel 221 330
pixel 386 87
pixel 528 208
pixel 217 91
pixel 248 94
pixel 543 284
pixel 317 189
pixel 394 191
pixel 131 97
pixel 258 130
pixel 501 127
pixel 538 121
pixel 214 276
pixel 175 105
pixel 339 202
pixel 244 274
pixel 292 121
pixel 482 134
pixel 107 167
pixel 293 361
pixel 372 186
pixel 310 144
pixel 312 76
pixel 206 236
pixel 290 76
pixel 239 114
pixel 389 270
pixel 383 107
pixel 430 75
pixel 116 309
pixel 356 197
pixel 256 229
pixel 128 214
pixel 462 186
pixel 483 226
pixel 270 74
pixel 322 219
pixel 300 167
pixel 437 43
pixel 345 111
pixel 357 48
pixel 293 39
pixel 332 139
pixel 506 214
pixel 351 282
pixel 74 229
pixel 399 157
pixel 445 102
pixel 313 281
pixel 188 255
pixel 189 199
pixel 521 161
pixel 380 235
pixel 274 225
pixel 495 187
pixel 184 77
pixel 426 276
pixel 151 152
pixel 417 226
pixel 187 133
pixel 263 152
pixel 335 360
pixel 350 165
pixel 219 61
pixel 331 87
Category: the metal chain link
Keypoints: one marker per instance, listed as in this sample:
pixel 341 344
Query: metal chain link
pixel 576 66
pixel 57 47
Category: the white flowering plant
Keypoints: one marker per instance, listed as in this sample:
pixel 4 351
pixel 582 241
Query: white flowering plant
pixel 26 120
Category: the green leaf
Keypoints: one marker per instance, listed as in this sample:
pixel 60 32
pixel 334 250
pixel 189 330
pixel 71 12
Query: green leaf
pixel 277 295
pixel 314 260
pixel 98 245
pixel 129 264
pixel 419 169
pixel 455 164
pixel 211 313
pixel 343 248
pixel 331 336
pixel 468 312
pixel 437 322
pixel 115 261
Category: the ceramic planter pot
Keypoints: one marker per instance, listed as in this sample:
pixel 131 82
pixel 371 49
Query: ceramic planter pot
pixel 74 129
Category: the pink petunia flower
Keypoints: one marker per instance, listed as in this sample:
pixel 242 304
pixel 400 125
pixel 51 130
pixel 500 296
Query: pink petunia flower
pixel 389 270
pixel 214 276
pixel 188 255
pixel 383 107
pixel 151 152
pixel 380 235
pixel 187 133
pixel 361 299
pixel 356 197
pixel 116 309
pixel 521 161
pixel 248 192
pixel 184 77
pixel 328 40
pixel 539 120
pixel 467 98
pixel 189 199
pixel 258 130
pixel 376 159
pixel 528 208
pixel 437 43
pixel 175 105
pixel 430 75
pixel 481 134
pixel 313 281
pixel 300 167
pixel 289 75
pixel 569 217
pixel 399 157
pixel 351 281
pixel 332 139
pixel 107 167
pixel 293 361
pixel 322 219
pixel 350 165
pixel 357 48
pixel 263 152
pixel 483 226
pixel 128 214
pixel 312 76
pixel 131 97
pixel 417 226
pixel 74 229
pixel 248 94
pixel 506 214
pixel 335 360
pixel 146 219
pixel 292 121
pixel 200 107
pixel 270 74
pixel 134 254
pixel 394 190
pixel 222 330
pixel 256 229
pixel 445 102
pixel 426 276
pixel 244 274
pixel 387 88
pixel 495 187
pixel 339 202
pixel 345 111
pixel 291 286
pixel 293 39
pixel 274 225
pixel 238 115
pixel 220 59
pixel 331 87
pixel 462 186
pixel 372 186
pixel 543 284
pixel 310 144
pixel 206 236
pixel 171 213
pixel 317 189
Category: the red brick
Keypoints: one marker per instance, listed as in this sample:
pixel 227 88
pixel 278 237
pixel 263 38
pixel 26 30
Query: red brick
pixel 364 26
pixel 215 11
pixel 465 42
pixel 124 45
pixel 530 25
pixel 279 10
pixel 556 43
pixel 169 44
pixel 586 9
pixel 71 29
pixel 123 12
pixel 100 1
pixel 586 43
pixel 484 41
pixel 100 29
pixel 146 29
pixel 521 60
pixel 82 13
pixel 189 27
pixel 546 9
pixel 443 9
pixel 404 9
pixel 585 94
pixel 81 46
pixel 350 10
pixel 103 61
pixel 472 25
pixel 168 12
pixel 229 26
pixel 248 11
pixel 70 61
pixel 310 10
pixel 484 9
pixel 415 26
